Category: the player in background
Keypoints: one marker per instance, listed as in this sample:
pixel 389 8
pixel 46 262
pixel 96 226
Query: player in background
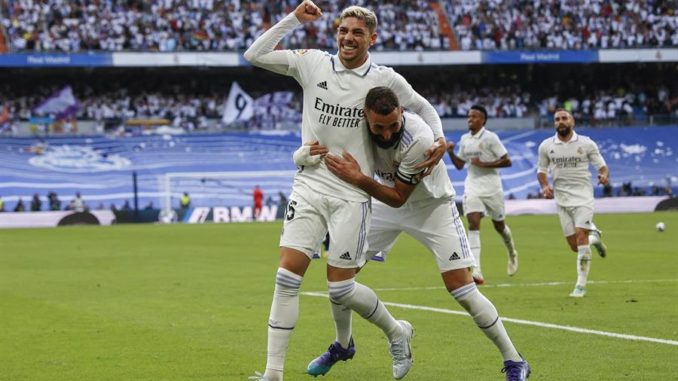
pixel 334 88
pixel 421 206
pixel 483 192
pixel 567 156
pixel 258 198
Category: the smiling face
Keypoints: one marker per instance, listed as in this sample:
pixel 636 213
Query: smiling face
pixel 354 40
pixel 385 130
pixel 564 123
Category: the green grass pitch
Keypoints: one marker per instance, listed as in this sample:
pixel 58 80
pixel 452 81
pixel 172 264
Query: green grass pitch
pixel 191 302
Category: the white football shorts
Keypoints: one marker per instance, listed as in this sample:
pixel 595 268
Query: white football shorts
pixel 310 215
pixel 572 217
pixel 435 223
pixel 492 206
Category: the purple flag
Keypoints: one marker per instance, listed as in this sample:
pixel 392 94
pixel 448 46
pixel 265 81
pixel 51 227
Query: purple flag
pixel 61 104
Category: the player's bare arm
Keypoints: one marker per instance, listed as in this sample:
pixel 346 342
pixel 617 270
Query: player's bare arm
pixel 603 175
pixel 546 189
pixel 502 162
pixel 458 162
pixel 348 169
pixel 434 154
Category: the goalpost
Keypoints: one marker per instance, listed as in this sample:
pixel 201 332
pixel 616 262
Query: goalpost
pixel 213 189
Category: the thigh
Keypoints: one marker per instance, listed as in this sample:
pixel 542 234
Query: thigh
pixel 583 217
pixel 495 206
pixel 304 225
pixel 566 220
pixel 384 229
pixel 472 204
pixel 437 226
pixel 347 223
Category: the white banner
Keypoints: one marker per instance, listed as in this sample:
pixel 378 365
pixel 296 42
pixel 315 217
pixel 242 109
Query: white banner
pixel 49 219
pixel 239 105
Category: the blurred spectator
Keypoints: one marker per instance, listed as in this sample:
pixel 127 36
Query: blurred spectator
pixel 77 204
pixel 36 204
pixel 126 206
pixel 607 190
pixel 54 202
pixel 150 206
pixel 20 207
pixel 2 205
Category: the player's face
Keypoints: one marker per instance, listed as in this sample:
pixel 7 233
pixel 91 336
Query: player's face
pixel 475 120
pixel 353 40
pixel 564 123
pixel 385 130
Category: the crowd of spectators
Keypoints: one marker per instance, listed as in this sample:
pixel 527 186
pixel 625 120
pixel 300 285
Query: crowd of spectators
pixel 193 111
pixel 230 25
pixel 198 25
pixel 566 24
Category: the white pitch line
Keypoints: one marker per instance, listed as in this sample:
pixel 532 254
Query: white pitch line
pixel 541 284
pixel 524 322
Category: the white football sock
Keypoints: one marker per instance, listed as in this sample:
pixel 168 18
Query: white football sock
pixel 342 322
pixel 594 238
pixel 281 321
pixel 474 245
pixel 508 239
pixel 583 264
pixel 487 319
pixel 365 302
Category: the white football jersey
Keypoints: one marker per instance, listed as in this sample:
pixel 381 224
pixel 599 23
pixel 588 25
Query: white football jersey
pixel 486 146
pixel 333 101
pixel 400 161
pixel 568 163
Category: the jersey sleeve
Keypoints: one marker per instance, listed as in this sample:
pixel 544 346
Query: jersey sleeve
pixel 594 156
pixel 497 147
pixel 414 155
pixel 293 63
pixel 416 103
pixel 543 161
pixel 262 54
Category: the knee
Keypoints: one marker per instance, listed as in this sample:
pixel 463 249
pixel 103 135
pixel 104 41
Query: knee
pixel 341 291
pixel 287 283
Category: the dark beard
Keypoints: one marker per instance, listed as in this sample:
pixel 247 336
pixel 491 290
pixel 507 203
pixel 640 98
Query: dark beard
pixel 395 138
pixel 564 132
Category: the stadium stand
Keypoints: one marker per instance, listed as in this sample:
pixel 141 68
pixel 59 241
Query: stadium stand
pixel 101 168
pixel 569 24
pixel 220 25
pixel 602 95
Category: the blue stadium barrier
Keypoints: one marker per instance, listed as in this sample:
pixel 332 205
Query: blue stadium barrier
pixel 101 168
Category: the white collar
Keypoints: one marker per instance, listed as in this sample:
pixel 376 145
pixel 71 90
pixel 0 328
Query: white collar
pixel 574 138
pixel 361 70
pixel 480 132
